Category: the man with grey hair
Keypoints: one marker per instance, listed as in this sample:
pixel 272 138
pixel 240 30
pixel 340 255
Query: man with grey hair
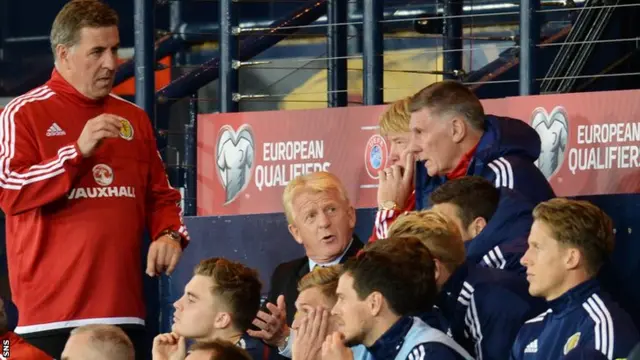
pixel 80 182
pixel 321 219
pixel 98 342
pixel 452 137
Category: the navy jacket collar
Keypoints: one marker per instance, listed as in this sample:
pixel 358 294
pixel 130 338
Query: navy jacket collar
pixel 452 288
pixel 574 297
pixel 389 344
pixel 512 220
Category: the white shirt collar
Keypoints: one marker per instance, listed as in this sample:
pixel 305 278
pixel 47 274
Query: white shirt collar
pixel 313 264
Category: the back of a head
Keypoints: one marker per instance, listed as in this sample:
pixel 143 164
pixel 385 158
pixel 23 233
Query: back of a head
pixel 450 97
pixel 474 196
pixel 237 286
pixel 435 231
pixel 579 224
pixel 219 350
pixel 401 269
pixel 396 118
pixel 99 342
pixel 78 14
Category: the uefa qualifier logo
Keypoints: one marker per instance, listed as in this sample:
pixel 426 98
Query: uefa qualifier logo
pixel 553 129
pixel 235 156
pixel 375 155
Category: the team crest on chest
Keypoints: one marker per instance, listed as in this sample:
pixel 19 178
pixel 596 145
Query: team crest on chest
pixel 571 343
pixel 126 131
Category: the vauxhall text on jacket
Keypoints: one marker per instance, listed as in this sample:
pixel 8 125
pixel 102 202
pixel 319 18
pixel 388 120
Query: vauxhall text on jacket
pixel 75 225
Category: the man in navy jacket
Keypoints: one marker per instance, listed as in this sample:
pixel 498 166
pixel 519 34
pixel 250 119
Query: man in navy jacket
pixel 452 137
pixel 569 242
pixel 494 223
pixel 484 308
pixel 378 292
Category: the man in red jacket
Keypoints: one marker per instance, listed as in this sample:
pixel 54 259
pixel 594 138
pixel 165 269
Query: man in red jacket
pixel 80 181
pixel 396 193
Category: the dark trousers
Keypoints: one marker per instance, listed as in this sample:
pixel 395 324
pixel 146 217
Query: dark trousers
pixel 52 342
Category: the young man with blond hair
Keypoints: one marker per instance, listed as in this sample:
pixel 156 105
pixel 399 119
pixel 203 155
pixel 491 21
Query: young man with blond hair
pixel 396 182
pixel 570 240
pixel 219 302
pixel 483 307
pixel 321 219
pixel 312 321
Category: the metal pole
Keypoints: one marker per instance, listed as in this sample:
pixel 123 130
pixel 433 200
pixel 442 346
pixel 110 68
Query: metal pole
pixel 354 31
pixel 228 82
pixel 175 20
pixel 144 56
pixel 529 40
pixel 372 52
pixel 190 158
pixel 452 41
pixel 337 51
pixel 144 59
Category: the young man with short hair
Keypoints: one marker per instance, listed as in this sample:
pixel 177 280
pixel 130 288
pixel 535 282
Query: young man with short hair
pixel 396 182
pixel 494 223
pixel 569 242
pixel 378 292
pixel 219 302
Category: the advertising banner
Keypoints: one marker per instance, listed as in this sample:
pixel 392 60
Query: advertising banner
pixel 590 145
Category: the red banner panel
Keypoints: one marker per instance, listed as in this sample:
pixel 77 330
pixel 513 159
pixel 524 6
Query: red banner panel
pixel 590 145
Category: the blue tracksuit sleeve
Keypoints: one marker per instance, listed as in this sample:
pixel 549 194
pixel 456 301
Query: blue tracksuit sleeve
pixel 498 316
pixel 520 175
pixel 605 341
pixel 433 350
pixel 506 256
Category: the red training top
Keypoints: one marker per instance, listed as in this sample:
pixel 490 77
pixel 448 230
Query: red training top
pixel 75 225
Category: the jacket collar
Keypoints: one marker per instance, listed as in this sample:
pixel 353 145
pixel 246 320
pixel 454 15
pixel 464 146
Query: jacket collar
pixel 448 296
pixel 63 88
pixel 389 344
pixel 574 297
pixel 351 251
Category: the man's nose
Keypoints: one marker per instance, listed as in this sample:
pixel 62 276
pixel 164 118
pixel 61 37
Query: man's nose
pixel 413 145
pixel 324 220
pixel 110 60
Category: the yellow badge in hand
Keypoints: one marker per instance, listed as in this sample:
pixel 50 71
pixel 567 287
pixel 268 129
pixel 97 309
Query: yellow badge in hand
pixel 126 131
